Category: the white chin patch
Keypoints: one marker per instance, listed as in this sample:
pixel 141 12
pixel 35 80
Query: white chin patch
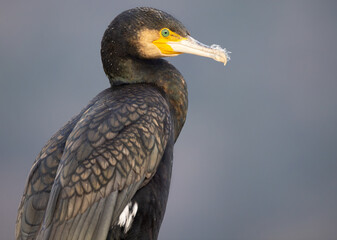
pixel 127 216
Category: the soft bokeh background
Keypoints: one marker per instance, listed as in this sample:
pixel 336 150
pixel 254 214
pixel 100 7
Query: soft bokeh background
pixel 257 158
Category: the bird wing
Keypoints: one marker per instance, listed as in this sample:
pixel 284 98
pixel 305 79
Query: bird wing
pixel 113 150
pixel 41 179
pixel 39 184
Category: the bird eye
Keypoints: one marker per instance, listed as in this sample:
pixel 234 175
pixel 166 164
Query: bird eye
pixel 165 32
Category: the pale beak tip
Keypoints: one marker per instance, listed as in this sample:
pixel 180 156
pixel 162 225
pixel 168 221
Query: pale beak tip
pixel 220 54
pixel 192 46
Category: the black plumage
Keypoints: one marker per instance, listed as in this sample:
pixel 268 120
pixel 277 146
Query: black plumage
pixel 106 173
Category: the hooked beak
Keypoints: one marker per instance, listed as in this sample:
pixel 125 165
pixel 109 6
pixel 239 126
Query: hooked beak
pixel 174 44
pixel 192 46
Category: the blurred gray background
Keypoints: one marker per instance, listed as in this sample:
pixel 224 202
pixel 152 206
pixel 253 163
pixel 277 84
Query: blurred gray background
pixel 257 158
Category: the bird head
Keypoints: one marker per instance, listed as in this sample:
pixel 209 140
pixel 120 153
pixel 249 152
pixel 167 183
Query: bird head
pixel 149 33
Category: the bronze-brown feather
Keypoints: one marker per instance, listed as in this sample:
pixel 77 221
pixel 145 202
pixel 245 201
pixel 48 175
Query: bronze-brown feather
pixel 116 145
pixel 41 179
pixel 114 148
pixel 39 184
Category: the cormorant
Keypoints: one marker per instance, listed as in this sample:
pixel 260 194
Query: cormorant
pixel 106 173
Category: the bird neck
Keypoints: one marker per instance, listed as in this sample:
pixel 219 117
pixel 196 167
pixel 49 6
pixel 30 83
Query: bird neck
pixel 157 72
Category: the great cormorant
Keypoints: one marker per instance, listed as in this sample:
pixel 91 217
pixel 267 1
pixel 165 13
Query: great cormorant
pixel 106 173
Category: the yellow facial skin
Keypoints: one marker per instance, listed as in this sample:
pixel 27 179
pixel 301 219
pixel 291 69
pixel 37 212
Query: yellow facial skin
pixel 166 36
pixel 171 44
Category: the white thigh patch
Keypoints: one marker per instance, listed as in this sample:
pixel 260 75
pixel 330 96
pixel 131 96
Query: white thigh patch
pixel 127 216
